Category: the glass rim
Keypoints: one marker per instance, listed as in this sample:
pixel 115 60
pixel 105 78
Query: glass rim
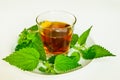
pixel 57 11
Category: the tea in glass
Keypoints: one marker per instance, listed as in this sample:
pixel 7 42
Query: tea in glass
pixel 56 29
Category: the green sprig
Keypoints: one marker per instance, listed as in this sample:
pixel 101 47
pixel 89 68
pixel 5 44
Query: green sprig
pixel 29 51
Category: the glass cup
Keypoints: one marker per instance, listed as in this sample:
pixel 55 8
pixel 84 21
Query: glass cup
pixel 56 29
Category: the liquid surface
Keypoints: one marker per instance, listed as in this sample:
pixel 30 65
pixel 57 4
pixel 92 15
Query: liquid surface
pixel 56 36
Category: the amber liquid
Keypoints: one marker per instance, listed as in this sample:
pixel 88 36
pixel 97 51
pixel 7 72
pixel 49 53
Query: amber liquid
pixel 56 37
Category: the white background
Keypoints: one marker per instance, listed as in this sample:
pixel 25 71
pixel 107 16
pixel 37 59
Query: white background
pixel 104 15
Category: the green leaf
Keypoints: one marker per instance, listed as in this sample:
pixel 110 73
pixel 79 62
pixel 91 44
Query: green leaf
pixel 75 56
pixel 25 59
pixel 20 46
pixel 38 45
pixel 52 59
pixel 23 37
pixel 33 28
pixel 42 69
pixel 88 55
pixel 96 51
pixel 24 40
pixel 74 40
pixel 83 37
pixel 33 40
pixel 64 63
pixel 48 68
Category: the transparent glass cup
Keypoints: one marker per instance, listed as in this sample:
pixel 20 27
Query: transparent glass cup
pixel 56 29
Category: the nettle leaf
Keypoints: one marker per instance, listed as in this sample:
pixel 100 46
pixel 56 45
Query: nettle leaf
pixel 23 37
pixel 87 54
pixel 52 59
pixel 20 46
pixel 96 51
pixel 42 69
pixel 33 28
pixel 32 40
pixel 25 59
pixel 48 68
pixel 75 56
pixel 74 40
pixel 64 63
pixel 83 37
pixel 38 45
